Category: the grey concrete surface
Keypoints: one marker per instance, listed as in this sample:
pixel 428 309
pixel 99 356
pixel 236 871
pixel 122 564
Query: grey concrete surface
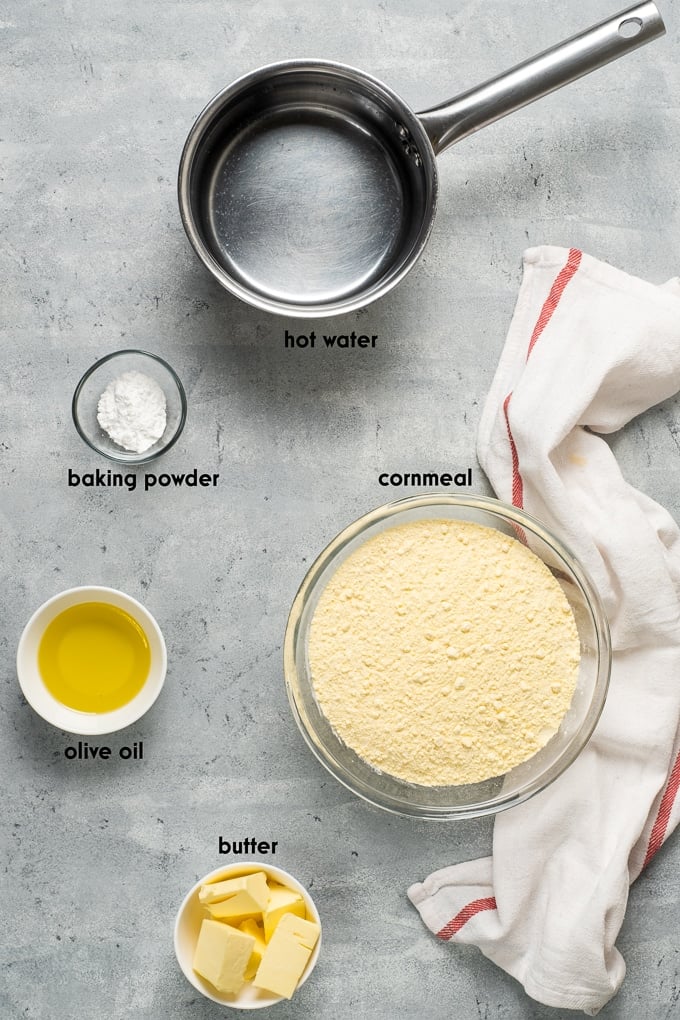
pixel 97 100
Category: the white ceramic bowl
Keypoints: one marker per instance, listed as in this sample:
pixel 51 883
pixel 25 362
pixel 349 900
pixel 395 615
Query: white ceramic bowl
pixel 88 723
pixel 188 924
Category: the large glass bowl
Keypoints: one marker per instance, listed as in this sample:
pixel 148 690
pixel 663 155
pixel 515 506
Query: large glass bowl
pixel 521 782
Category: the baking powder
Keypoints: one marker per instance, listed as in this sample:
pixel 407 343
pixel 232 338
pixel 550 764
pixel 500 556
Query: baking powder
pixel 131 410
pixel 443 652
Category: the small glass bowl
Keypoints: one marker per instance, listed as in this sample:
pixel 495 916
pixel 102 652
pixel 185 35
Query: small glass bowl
pixel 97 378
pixel 492 795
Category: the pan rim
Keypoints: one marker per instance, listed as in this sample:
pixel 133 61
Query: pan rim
pixel 192 147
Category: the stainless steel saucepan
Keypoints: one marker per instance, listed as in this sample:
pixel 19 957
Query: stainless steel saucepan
pixel 309 188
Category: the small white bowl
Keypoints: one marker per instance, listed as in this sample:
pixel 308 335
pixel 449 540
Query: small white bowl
pixel 69 719
pixel 188 924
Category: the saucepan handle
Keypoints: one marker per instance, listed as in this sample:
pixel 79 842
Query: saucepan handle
pixel 460 117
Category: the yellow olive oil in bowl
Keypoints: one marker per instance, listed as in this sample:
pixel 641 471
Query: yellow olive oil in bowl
pixel 94 657
pixel 91 660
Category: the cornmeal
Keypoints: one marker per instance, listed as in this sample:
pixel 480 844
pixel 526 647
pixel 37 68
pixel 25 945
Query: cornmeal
pixel 443 652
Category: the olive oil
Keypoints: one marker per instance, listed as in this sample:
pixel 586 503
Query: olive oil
pixel 94 657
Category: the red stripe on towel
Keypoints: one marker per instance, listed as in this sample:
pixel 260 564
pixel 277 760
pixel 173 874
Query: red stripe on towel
pixel 464 915
pixel 659 828
pixel 553 299
pixel 549 305
pixel 517 483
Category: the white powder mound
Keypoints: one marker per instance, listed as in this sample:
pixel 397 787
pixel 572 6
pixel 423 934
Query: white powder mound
pixel 443 652
pixel 131 411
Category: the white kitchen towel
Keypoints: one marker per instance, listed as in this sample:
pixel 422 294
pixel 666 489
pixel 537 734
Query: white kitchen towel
pixel 589 348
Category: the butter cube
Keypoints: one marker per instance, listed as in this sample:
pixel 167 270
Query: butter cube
pixel 222 954
pixel 286 955
pixel 237 898
pixel 281 901
pixel 251 927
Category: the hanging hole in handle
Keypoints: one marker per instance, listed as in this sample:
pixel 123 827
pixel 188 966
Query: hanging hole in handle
pixel 630 28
